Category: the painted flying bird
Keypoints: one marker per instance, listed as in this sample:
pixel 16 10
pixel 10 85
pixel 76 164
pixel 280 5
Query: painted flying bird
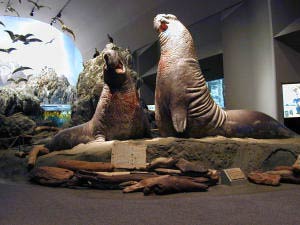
pixel 20 80
pixel 8 50
pixel 17 81
pixel 37 5
pixel 21 69
pixel 65 28
pixel 110 39
pixel 9 8
pixel 24 38
pixel 18 37
pixel 28 41
pixel 50 42
pixel 2 23
pixel 11 80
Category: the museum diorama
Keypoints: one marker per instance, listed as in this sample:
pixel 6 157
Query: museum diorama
pixel 98 131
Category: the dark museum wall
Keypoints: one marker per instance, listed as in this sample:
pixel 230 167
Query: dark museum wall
pixel 286 30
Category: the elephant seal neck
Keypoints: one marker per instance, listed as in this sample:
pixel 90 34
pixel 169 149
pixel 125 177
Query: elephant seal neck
pixel 176 42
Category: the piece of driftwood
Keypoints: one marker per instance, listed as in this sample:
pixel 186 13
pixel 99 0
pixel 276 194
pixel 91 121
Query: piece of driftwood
pixel 296 166
pixel 46 128
pixel 21 154
pixel 167 184
pixel 264 178
pixel 191 168
pixel 174 184
pixel 290 178
pixel 162 162
pixel 165 171
pixel 113 173
pixel 126 184
pixel 283 168
pixel 280 172
pixel 51 176
pixel 99 181
pixel 76 165
pixel 34 153
pixel 213 177
pixel 143 183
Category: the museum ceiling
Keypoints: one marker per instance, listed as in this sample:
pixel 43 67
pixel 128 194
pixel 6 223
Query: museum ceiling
pixel 129 22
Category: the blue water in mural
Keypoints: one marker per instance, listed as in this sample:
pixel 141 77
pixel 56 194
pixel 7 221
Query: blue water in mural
pixel 58 114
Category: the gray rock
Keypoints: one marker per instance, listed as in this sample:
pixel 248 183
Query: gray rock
pixel 26 96
pixel 13 126
pixel 13 100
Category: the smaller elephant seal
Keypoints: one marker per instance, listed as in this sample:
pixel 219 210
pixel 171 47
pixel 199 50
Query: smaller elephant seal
pixel 184 106
pixel 118 116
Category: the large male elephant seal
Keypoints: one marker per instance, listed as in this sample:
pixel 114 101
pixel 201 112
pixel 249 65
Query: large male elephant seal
pixel 183 103
pixel 118 115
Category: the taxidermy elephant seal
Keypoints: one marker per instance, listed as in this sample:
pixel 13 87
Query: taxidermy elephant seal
pixel 118 115
pixel 184 107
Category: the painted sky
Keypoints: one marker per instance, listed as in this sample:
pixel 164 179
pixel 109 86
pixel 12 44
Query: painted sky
pixel 62 55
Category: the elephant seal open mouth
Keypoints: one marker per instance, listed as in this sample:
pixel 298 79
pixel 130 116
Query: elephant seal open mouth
pixel 184 106
pixel 118 116
pixel 113 62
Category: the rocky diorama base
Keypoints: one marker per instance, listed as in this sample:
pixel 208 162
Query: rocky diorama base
pixel 211 152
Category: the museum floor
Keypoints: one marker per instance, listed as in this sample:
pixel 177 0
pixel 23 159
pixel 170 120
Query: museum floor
pixel 24 203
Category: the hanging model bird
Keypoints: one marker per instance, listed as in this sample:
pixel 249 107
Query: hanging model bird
pixel 36 5
pixel 9 8
pixel 8 50
pixel 110 39
pixel 2 23
pixel 23 38
pixel 21 69
pixel 97 53
pixel 64 27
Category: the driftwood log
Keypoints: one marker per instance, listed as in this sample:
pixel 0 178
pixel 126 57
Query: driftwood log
pixel 290 178
pixel 283 168
pixel 46 128
pixel 51 176
pixel 162 162
pixel 264 178
pixel 76 165
pixel 191 168
pixel 167 184
pixel 296 166
pixel 34 153
pixel 99 181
